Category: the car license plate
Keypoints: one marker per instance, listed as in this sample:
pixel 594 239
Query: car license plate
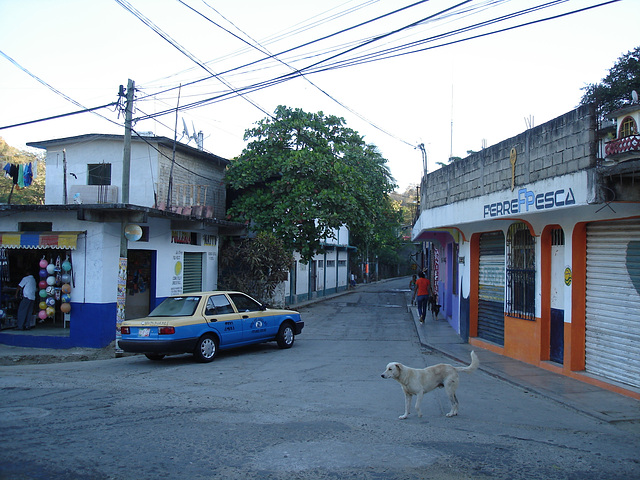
pixel 144 332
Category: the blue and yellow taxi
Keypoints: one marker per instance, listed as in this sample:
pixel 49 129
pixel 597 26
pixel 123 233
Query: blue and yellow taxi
pixel 204 323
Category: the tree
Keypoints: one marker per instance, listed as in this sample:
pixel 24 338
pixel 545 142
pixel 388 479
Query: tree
pixel 302 175
pixel 614 91
pixel 25 196
pixel 255 266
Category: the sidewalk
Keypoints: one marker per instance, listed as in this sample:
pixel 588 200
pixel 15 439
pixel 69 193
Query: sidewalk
pixel 596 402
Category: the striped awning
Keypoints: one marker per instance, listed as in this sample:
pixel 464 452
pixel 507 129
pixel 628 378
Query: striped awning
pixel 39 240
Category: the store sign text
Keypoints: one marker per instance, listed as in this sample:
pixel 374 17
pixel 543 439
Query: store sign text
pixel 528 200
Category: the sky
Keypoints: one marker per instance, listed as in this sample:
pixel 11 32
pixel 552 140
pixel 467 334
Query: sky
pixel 449 94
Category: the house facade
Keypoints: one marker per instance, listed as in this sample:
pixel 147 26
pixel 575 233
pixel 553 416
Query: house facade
pixel 327 273
pixel 105 260
pixel 533 245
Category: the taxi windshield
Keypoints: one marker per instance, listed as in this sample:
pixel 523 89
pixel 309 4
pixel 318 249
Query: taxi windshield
pixel 176 307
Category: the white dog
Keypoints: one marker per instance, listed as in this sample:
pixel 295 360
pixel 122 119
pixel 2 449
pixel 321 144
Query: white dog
pixel 416 381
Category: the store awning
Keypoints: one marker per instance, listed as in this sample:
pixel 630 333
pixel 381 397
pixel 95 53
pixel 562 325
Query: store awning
pixel 39 240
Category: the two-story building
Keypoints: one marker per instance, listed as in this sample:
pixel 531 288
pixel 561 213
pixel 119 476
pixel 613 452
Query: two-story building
pixel 535 247
pixel 105 260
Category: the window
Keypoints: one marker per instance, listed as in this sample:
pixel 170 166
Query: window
pixel 331 264
pixel 218 305
pixel 99 174
pixel 342 263
pixel 244 303
pixel 521 272
pixel 628 127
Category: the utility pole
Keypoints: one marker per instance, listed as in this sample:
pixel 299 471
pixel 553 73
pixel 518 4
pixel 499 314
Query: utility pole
pixel 126 172
pixel 126 158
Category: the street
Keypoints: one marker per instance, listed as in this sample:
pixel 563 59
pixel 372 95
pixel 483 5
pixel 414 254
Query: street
pixel 319 410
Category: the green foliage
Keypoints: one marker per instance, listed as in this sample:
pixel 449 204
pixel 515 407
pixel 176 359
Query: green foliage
pixel 303 175
pixel 33 195
pixel 255 266
pixel 614 91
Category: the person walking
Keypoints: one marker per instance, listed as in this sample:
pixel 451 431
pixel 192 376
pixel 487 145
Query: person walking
pixel 28 288
pixel 423 290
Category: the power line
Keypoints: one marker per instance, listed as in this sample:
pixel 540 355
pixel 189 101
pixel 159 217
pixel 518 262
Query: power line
pixel 85 110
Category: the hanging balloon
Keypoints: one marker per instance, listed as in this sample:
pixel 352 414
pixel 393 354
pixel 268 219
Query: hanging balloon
pixel 66 278
pixel 66 298
pixel 65 307
pixel 51 280
pixel 49 291
pixel 66 288
pixel 51 269
pixel 42 305
pixel 43 263
pixel 43 273
pixel 66 265
pixel 50 301
pixel 43 293
pixel 42 314
pixel 50 311
pixel 42 284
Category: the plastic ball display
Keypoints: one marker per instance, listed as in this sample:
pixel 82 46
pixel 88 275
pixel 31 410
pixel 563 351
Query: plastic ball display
pixel 42 305
pixel 66 278
pixel 65 307
pixel 43 273
pixel 66 288
pixel 66 298
pixel 66 265
pixel 42 284
pixel 50 302
pixel 43 263
pixel 43 293
pixel 51 269
pixel 42 314
pixel 50 291
pixel 50 311
pixel 51 280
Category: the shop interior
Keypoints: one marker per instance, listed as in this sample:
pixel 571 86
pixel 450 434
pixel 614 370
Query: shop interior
pixel 53 272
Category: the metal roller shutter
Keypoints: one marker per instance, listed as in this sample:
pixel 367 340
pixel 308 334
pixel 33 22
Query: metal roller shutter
pixel 192 278
pixel 491 288
pixel 612 345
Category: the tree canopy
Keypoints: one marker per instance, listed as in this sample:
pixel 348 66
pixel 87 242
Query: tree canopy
pixel 614 91
pixel 302 175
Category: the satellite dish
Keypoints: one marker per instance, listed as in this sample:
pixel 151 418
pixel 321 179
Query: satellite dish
pixel 634 96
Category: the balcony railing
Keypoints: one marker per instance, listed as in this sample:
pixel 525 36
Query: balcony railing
pixel 203 201
pixel 623 148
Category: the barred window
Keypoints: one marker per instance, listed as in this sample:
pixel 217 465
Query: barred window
pixel 521 272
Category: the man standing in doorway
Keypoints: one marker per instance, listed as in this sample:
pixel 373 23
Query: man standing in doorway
pixel 423 289
pixel 28 287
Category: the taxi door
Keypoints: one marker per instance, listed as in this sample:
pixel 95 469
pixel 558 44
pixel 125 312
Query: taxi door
pixel 222 318
pixel 255 326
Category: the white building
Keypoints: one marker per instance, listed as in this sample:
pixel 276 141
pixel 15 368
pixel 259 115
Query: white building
pixel 170 239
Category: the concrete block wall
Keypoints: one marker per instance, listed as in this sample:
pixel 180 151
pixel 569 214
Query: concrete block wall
pixel 564 145
pixel 196 171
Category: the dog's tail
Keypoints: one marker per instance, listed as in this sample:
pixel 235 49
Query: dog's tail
pixel 473 366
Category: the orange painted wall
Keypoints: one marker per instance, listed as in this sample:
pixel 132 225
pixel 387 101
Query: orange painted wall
pixel 522 339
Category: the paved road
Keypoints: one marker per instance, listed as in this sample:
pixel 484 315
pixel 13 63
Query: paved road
pixel 317 411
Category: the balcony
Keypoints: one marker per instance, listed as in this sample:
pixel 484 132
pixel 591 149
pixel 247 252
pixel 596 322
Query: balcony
pixel 623 149
pixel 201 201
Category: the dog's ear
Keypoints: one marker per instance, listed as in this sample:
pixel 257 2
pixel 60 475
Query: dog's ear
pixel 399 366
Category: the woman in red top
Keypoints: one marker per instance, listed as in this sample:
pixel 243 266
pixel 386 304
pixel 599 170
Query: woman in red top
pixel 423 287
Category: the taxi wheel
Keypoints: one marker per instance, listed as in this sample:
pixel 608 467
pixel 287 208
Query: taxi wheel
pixel 206 349
pixel 285 336
pixel 154 356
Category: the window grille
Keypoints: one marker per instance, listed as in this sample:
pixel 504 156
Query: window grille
pixel 521 272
